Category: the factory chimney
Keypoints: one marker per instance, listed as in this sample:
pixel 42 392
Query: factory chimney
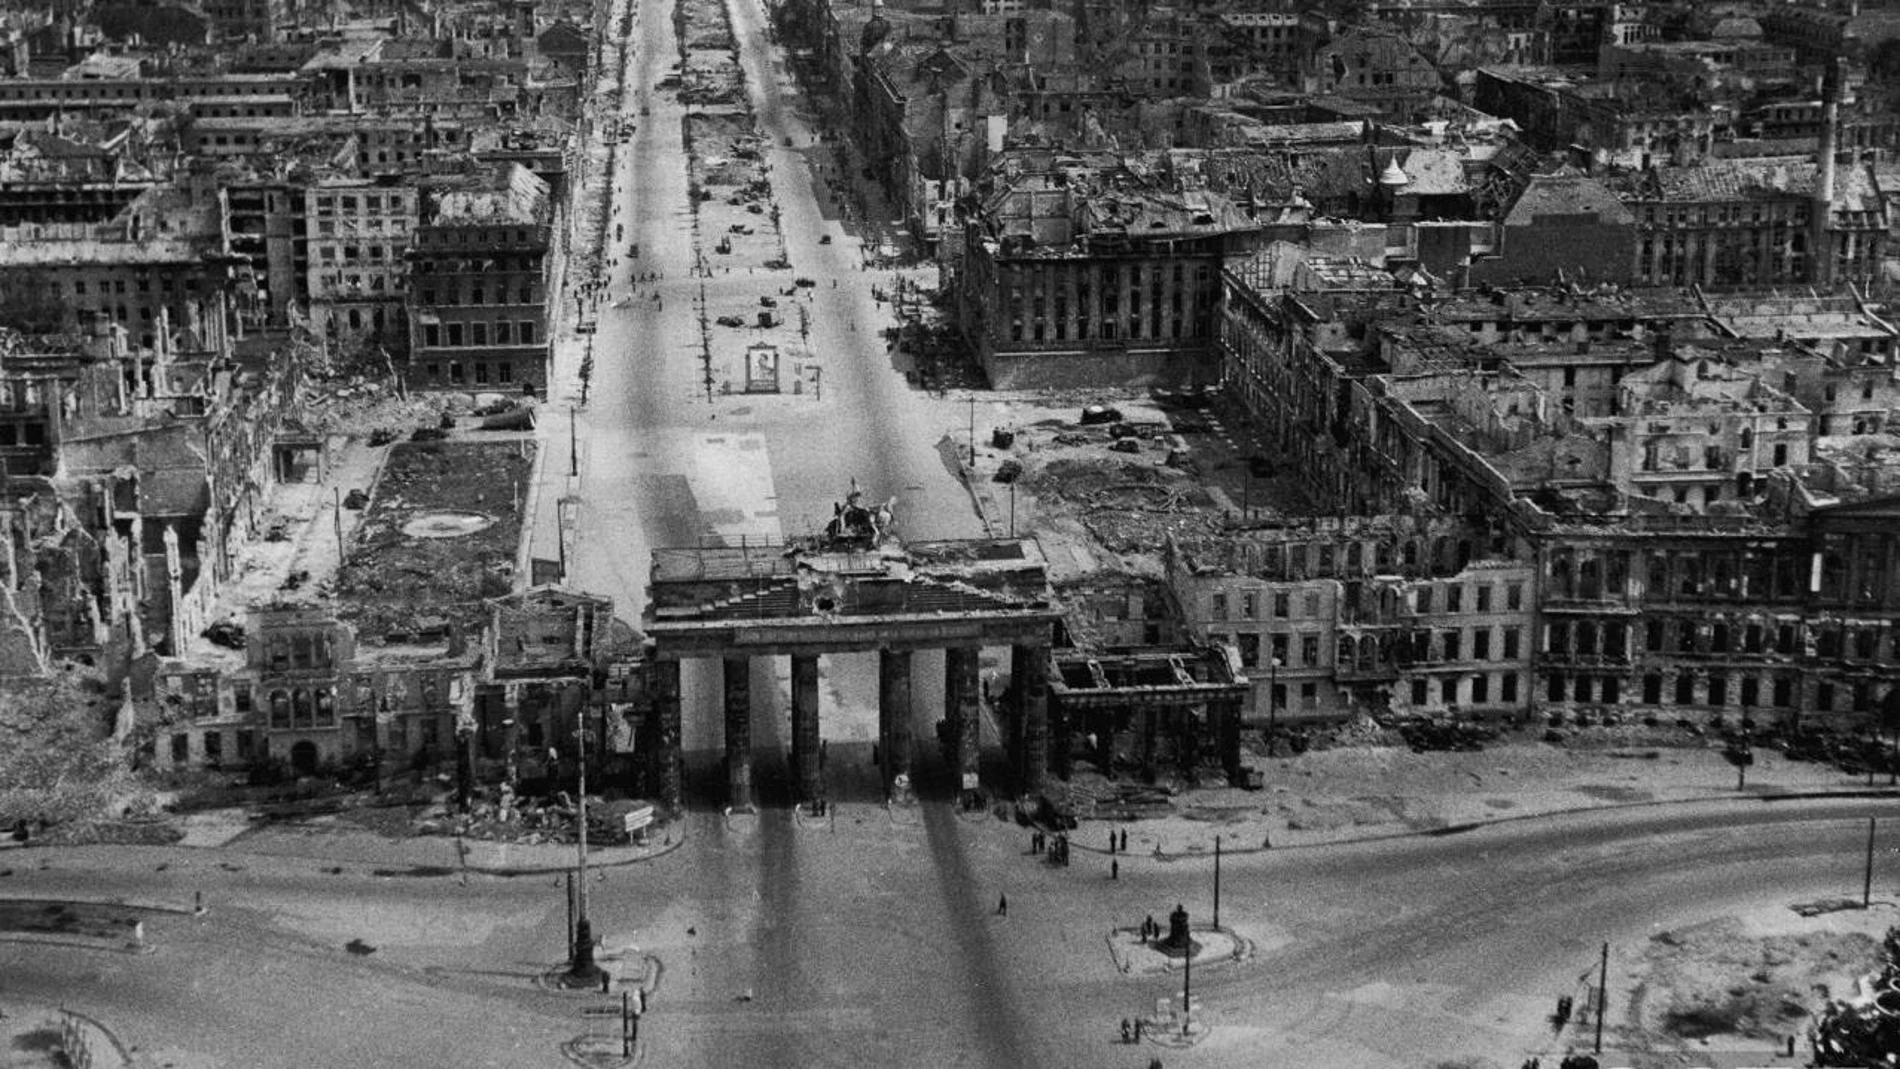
pixel 1821 211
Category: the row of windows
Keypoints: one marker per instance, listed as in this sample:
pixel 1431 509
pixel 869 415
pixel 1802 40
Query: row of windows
pixel 213 747
pixel 1710 689
pixel 1414 647
pixel 487 265
pixel 144 285
pixel 351 203
pixel 302 708
pixel 478 294
pixel 461 236
pixel 1108 330
pixel 504 372
pixel 1861 642
pixel 378 254
pixel 137 90
pixel 433 334
pixel 1428 598
pixel 1475 690
pixel 373 224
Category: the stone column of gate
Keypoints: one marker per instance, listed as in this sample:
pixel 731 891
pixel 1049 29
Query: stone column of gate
pixel 893 714
pixel 665 756
pixel 805 727
pixel 1029 680
pixel 738 687
pixel 961 708
pixel 1150 733
pixel 1227 730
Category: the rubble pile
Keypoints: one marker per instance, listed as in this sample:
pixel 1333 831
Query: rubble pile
pixel 62 777
pixel 1126 505
pixel 1440 734
pixel 1094 797
pixel 348 406
pixel 533 822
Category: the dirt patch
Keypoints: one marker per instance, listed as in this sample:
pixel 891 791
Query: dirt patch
pixel 1728 982
pixel 396 587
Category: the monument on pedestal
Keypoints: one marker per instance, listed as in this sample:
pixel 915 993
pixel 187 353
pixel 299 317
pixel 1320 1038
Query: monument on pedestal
pixel 1178 944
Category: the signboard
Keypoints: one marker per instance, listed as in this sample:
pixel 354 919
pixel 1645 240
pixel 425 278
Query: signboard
pixel 762 366
pixel 620 725
pixel 969 781
pixel 638 818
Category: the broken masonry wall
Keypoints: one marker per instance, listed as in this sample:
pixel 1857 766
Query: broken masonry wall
pixel 1085 369
pixel 22 653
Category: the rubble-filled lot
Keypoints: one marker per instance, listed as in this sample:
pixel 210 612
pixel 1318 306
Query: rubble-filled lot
pixel 1104 479
pixel 1748 982
pixel 357 405
pixel 59 769
pixel 400 586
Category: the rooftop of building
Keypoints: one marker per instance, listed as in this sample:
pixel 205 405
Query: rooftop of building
pixel 1564 303
pixel 1746 178
pixel 1682 385
pixel 1803 316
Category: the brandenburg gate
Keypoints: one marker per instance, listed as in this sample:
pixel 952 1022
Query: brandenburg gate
pixel 853 589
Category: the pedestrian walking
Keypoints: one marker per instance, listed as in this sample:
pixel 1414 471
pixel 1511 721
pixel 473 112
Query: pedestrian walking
pixel 1111 842
pixel 1124 840
pixel 1002 905
pixel 1114 869
pixel 1266 842
pixel 1137 1029
pixel 1127 1033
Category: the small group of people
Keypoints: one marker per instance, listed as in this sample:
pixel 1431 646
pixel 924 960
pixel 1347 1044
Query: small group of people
pixel 1058 849
pixel 1131 1034
pixel 1150 929
pixel 1118 841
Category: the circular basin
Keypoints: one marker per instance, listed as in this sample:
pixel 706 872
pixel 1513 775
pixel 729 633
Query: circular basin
pixel 447 524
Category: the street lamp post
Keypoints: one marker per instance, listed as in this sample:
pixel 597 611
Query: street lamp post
pixel 1187 986
pixel 1273 699
pixel 583 971
pixel 1216 883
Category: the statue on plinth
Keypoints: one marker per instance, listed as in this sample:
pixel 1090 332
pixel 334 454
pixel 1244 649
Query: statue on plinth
pixel 1178 944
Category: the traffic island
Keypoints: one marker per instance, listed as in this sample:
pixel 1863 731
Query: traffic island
pixel 600 1051
pixel 1136 956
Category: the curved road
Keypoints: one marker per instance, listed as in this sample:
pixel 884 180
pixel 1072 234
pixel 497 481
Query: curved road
pixel 870 939
pixel 1395 953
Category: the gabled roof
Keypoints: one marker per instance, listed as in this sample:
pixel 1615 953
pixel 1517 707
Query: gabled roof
pixel 1567 195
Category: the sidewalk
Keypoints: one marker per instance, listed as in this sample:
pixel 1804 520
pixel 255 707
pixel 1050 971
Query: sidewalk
pixel 1322 798
pixel 339 841
pixel 1358 794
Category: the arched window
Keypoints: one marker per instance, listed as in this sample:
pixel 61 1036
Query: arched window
pixel 279 709
pixel 302 713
